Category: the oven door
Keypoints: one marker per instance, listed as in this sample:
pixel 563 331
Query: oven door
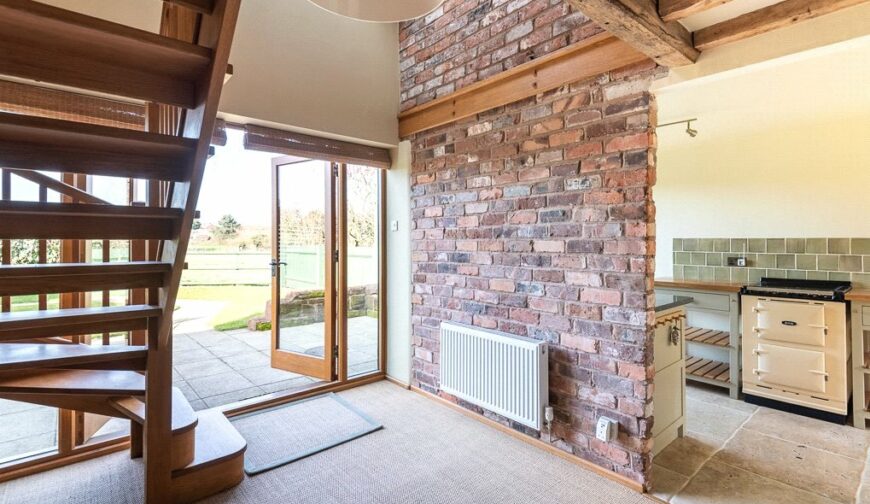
pixel 778 365
pixel 800 322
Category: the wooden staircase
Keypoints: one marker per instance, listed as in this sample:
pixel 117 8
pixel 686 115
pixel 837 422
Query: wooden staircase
pixel 44 358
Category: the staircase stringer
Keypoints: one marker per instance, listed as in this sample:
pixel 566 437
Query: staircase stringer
pixel 215 32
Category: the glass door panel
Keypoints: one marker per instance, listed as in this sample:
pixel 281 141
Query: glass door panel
pixel 303 267
pixel 362 238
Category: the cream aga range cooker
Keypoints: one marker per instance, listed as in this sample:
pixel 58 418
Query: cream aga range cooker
pixel 796 349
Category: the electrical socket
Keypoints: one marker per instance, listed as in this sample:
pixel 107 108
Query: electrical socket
pixel 606 429
pixel 548 414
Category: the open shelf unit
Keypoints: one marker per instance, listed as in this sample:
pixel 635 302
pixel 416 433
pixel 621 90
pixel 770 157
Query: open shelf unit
pixel 712 355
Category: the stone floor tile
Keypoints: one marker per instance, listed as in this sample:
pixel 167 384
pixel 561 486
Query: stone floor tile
pixel 198 369
pixel 712 420
pixel 686 454
pixel 824 473
pixel 234 396
pixel 218 384
pixel 666 482
pixel 840 439
pixel 718 483
pixel 251 359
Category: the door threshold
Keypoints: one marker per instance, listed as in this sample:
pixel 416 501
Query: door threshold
pixel 276 398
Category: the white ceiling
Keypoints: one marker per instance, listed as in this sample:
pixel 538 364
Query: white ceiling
pixel 724 12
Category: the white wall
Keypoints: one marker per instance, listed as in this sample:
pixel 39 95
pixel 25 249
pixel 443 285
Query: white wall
pixel 399 265
pixel 783 151
pixel 296 66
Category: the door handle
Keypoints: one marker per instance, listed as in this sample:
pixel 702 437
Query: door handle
pixel 274 264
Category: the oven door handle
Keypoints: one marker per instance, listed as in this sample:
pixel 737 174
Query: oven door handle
pixel 758 351
pixel 758 372
pixel 758 309
pixel 817 372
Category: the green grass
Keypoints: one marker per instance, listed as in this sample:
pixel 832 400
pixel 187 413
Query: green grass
pixel 242 303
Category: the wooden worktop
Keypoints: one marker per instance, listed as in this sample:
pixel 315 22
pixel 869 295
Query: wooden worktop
pixel 860 295
pixel 670 283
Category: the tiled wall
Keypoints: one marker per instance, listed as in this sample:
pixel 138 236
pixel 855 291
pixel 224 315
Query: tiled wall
pixel 803 258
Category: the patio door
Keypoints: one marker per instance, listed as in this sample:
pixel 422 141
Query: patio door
pixel 304 267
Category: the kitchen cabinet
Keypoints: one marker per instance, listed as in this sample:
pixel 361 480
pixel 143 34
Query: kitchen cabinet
pixel 669 396
pixel 712 332
pixel 860 356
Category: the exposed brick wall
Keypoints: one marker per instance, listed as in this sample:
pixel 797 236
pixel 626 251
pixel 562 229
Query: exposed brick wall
pixel 465 41
pixel 536 219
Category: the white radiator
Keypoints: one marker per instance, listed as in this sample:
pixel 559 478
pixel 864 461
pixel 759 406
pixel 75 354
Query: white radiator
pixel 503 373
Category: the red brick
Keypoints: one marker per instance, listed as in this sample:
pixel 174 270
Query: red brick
pixel 502 285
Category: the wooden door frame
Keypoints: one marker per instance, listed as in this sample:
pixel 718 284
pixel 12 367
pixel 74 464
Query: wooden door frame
pixel 322 368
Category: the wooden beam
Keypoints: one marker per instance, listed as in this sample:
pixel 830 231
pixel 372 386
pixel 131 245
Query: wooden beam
pixel 638 23
pixel 590 57
pixel 764 20
pixel 672 10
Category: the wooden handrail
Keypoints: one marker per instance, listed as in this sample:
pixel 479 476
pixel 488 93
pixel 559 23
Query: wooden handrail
pixel 56 185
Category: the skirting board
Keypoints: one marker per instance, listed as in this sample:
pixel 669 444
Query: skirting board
pixel 406 386
pixel 618 478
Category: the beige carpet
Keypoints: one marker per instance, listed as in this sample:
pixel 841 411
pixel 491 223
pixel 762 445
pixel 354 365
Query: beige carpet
pixel 426 453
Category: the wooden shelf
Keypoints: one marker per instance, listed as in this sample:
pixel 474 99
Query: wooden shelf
pixel 708 337
pixel 708 371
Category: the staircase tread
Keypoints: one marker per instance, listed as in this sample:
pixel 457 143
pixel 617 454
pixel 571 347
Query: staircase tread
pixel 35 128
pixel 216 440
pixel 73 381
pixel 24 270
pixel 40 29
pixel 30 220
pixel 183 416
pixel 86 209
pixel 12 320
pixel 32 355
pixel 26 279
pixel 39 143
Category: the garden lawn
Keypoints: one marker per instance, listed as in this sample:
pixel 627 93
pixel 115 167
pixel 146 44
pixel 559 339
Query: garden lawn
pixel 242 303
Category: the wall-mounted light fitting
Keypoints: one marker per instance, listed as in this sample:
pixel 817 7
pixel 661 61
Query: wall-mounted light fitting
pixel 689 130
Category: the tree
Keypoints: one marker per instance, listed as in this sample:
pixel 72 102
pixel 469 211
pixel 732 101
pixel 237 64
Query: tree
pixel 197 224
pixel 362 202
pixel 27 251
pixel 260 241
pixel 227 227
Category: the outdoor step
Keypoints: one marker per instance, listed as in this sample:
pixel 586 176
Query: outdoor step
pixel 184 421
pixel 84 277
pixel 49 44
pixel 219 461
pixel 73 381
pixel 32 355
pixel 75 221
pixel 38 143
pixel 47 323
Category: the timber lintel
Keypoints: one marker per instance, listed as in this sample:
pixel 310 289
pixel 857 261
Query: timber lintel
pixel 595 55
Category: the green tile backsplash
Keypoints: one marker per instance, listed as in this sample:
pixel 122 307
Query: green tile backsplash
pixel 810 258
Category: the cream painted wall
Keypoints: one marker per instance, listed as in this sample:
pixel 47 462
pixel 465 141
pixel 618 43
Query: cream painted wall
pixel 783 151
pixel 296 66
pixel 399 265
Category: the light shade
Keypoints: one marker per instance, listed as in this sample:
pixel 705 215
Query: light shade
pixel 380 11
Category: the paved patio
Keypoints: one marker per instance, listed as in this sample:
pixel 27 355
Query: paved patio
pixel 212 369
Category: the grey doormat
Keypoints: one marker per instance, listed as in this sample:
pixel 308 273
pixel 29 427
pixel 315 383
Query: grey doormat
pixel 284 434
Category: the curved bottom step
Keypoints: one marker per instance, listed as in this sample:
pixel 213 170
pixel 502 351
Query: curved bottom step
pixel 219 462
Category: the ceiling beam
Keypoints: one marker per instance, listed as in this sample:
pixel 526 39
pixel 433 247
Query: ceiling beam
pixel 673 10
pixel 764 20
pixel 637 22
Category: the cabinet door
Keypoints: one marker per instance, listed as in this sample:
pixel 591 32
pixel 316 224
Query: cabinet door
pixel 790 367
pixel 668 350
pixel 668 398
pixel 790 321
